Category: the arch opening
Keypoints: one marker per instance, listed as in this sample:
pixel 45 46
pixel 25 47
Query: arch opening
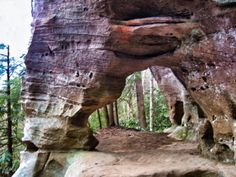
pixel 135 104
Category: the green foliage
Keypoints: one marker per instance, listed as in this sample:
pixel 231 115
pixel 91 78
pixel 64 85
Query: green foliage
pixel 128 111
pixel 2 46
pixel 130 123
pixel 16 69
pixel 2 69
pixel 17 121
pixel 127 108
pixel 127 104
pixel 4 160
pixel 94 123
pixel 161 120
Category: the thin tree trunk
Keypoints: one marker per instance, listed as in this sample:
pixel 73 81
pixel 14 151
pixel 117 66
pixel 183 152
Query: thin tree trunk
pixel 140 101
pixel 99 118
pixel 125 113
pixel 9 120
pixel 151 111
pixel 128 111
pixel 116 115
pixel 111 115
pixel 131 108
pixel 106 115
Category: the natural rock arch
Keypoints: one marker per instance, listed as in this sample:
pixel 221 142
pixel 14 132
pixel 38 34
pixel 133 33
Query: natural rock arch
pixel 82 51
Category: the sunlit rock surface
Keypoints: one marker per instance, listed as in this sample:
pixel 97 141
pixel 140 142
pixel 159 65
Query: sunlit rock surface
pixel 137 154
pixel 82 51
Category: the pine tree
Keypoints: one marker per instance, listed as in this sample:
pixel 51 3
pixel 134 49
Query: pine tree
pixel 151 106
pixel 140 101
pixel 10 111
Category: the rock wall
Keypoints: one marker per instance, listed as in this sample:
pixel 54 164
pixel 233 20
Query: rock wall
pixel 182 108
pixel 82 51
pixel 184 113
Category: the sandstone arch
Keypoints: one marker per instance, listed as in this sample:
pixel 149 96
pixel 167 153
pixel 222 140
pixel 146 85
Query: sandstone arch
pixel 82 51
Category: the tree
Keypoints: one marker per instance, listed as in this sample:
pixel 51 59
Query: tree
pixel 99 118
pixel 140 101
pixel 106 115
pixel 151 107
pixel 111 115
pixel 116 113
pixel 126 108
pixel 10 110
pixel 127 101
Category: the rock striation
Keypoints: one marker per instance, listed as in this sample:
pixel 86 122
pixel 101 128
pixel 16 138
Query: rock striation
pixel 82 51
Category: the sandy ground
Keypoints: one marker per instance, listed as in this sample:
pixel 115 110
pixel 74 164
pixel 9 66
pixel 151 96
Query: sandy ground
pixel 142 154
pixel 130 140
pixel 130 153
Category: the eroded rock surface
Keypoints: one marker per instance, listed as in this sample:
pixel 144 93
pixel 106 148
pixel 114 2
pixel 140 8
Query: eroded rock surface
pixel 184 114
pixel 82 51
pixel 138 154
pixel 182 108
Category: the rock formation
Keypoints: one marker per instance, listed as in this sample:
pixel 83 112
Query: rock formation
pixel 184 113
pixel 180 104
pixel 138 154
pixel 82 51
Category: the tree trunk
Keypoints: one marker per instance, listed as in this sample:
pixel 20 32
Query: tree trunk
pixel 9 121
pixel 128 111
pixel 116 116
pixel 99 118
pixel 106 115
pixel 111 115
pixel 140 101
pixel 151 110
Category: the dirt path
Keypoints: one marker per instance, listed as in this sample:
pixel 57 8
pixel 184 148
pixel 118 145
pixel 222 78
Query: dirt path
pixel 129 140
pixel 130 153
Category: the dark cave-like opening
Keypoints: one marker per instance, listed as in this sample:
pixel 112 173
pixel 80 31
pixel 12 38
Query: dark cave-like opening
pixel 150 8
pixel 208 136
pixel 179 112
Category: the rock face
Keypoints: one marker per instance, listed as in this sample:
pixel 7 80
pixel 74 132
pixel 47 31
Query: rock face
pixel 82 51
pixel 184 114
pixel 182 109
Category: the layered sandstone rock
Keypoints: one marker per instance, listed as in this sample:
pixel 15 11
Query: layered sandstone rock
pixel 182 108
pixel 184 114
pixel 82 51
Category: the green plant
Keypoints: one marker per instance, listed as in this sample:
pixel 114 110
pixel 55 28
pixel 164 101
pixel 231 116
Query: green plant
pixel 94 123
pixel 127 108
pixel 17 128
pixel 11 116
pixel 130 123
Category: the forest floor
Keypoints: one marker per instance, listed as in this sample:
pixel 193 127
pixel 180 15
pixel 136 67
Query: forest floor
pixel 131 153
pixel 131 140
